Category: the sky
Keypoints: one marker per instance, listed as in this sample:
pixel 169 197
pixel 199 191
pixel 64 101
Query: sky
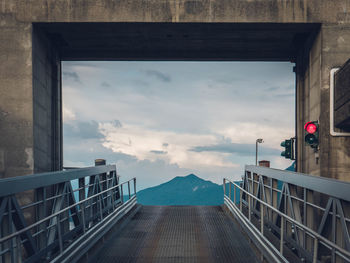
pixel 158 120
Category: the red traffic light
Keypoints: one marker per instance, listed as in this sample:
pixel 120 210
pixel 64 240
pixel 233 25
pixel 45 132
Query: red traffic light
pixel 310 127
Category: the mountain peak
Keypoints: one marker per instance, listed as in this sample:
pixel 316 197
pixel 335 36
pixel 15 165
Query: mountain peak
pixel 183 190
pixel 192 176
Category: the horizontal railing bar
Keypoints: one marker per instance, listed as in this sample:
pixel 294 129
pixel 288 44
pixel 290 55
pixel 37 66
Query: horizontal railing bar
pixel 302 200
pixel 4 239
pixel 328 186
pixel 18 184
pixel 312 232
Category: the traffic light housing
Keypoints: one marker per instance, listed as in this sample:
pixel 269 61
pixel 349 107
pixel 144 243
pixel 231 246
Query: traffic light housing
pixel 288 151
pixel 311 134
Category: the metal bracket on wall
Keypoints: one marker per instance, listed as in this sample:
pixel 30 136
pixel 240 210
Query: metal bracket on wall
pixel 331 107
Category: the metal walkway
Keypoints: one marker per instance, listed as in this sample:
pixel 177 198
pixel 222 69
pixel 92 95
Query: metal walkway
pixel 178 234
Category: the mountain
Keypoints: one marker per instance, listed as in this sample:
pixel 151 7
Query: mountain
pixel 187 190
pixel 291 167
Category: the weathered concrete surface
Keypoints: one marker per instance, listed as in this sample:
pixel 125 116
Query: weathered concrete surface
pixel 29 74
pixel 277 11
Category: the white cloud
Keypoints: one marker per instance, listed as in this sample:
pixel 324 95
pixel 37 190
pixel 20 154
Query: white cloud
pixel 139 141
pixel 248 132
pixel 68 114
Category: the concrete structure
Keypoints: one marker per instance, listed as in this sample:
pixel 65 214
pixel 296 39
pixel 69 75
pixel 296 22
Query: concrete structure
pixel 36 35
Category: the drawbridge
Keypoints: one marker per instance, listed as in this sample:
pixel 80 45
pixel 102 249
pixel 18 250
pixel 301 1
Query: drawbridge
pixel 88 215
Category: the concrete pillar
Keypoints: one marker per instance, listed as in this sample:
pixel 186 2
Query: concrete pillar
pixel 30 102
pixel 330 49
pixel 16 98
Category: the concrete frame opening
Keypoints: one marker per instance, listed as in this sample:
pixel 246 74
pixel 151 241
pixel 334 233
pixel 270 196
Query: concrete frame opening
pixel 214 103
pixel 55 42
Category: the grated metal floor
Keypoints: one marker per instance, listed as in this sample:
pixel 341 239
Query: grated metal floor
pixel 178 234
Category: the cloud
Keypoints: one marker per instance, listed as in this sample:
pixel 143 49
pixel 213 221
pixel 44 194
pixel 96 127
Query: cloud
pixel 238 148
pixel 143 139
pixel 68 114
pixel 71 75
pixel 159 75
pixel 158 152
pixel 83 130
pixel 105 84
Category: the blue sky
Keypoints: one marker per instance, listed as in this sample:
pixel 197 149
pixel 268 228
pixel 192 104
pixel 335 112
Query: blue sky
pixel 158 120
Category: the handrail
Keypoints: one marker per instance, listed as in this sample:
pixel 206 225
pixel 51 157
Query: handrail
pixel 311 232
pixel 69 206
pixel 4 239
pixel 329 186
pixel 9 186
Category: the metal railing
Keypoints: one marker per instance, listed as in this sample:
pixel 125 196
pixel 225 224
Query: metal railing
pixel 58 216
pixel 292 211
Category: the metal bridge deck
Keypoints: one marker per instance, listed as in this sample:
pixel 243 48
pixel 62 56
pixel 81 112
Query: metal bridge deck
pixel 178 234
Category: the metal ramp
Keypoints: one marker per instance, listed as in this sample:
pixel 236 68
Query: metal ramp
pixel 178 234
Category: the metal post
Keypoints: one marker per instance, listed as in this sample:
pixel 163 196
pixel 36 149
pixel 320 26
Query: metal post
pixel 314 258
pixel 101 216
pixel 121 193
pixel 262 218
pixel 83 215
pixel 59 233
pixel 282 235
pixel 249 208
pixel 240 201
pixel 135 186
pixel 113 200
pixel 129 189
pixel 234 194
pixel 230 190
pixel 256 152
pixel 82 194
pixel 224 185
pixel 19 249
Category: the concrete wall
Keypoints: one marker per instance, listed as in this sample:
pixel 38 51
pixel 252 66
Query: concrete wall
pixel 46 104
pixel 16 97
pixel 30 96
pixel 335 157
pixel 323 11
pixel 330 49
pixel 30 107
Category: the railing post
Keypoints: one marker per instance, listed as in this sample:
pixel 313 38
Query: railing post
pixel 240 201
pixel 224 185
pixel 121 193
pixel 19 249
pixel 129 189
pixel 60 242
pixel 230 190
pixel 314 258
pixel 262 218
pixel 282 235
pixel 83 216
pixel 234 194
pixel 249 209
pixel 101 213
pixel 135 186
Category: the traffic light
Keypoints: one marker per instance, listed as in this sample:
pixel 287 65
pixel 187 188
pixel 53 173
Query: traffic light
pixel 287 153
pixel 311 134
